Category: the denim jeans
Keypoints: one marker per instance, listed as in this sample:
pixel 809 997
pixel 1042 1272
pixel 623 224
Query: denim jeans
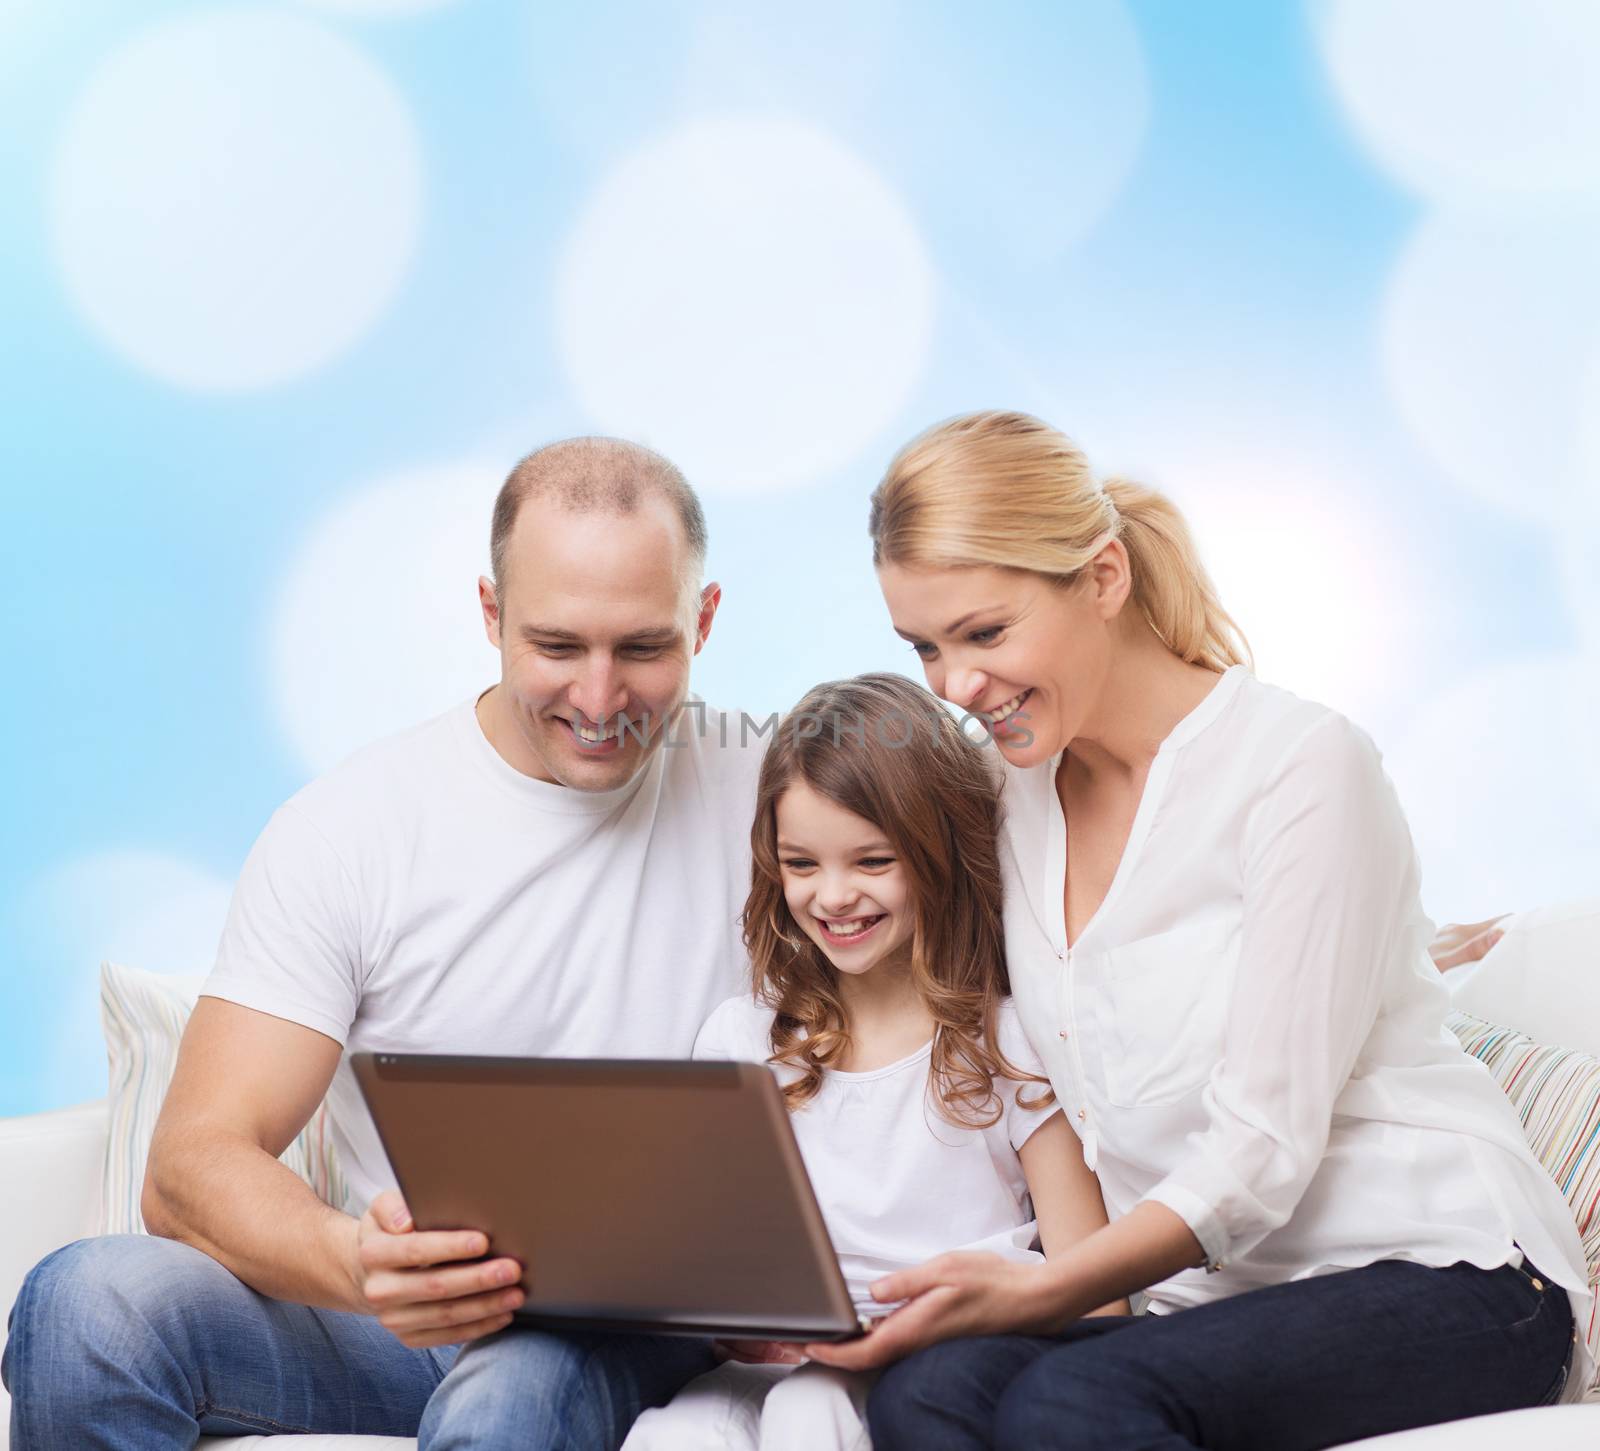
pixel 129 1343
pixel 1313 1363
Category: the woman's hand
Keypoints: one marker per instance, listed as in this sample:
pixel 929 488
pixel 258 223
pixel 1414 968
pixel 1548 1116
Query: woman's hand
pixel 1460 942
pixel 964 1293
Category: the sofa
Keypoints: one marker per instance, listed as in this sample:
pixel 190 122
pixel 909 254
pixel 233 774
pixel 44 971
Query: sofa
pixel 53 1165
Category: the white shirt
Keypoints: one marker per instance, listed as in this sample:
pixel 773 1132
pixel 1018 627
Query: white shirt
pixel 897 1182
pixel 425 896
pixel 1249 1029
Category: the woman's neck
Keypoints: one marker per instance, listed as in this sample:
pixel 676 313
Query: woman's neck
pixel 1147 691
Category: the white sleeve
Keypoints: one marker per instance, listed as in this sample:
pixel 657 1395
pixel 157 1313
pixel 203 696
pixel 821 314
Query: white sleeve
pixel 1013 1044
pixel 736 1032
pixel 292 943
pixel 1330 888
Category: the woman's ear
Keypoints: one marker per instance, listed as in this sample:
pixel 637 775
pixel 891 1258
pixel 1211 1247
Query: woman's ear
pixel 1111 576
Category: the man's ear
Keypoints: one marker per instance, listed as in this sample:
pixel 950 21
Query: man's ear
pixel 489 603
pixel 710 598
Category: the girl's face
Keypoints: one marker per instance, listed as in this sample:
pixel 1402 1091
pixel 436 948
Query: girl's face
pixel 843 883
pixel 1027 655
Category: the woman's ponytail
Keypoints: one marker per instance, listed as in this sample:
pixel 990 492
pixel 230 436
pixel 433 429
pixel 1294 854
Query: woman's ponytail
pixel 1170 584
pixel 1007 490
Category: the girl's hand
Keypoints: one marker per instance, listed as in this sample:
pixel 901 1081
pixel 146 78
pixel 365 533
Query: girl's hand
pixel 965 1293
pixel 759 1352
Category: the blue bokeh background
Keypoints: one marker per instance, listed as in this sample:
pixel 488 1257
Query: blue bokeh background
pixel 288 286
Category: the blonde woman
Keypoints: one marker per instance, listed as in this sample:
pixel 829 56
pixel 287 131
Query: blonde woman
pixel 1217 949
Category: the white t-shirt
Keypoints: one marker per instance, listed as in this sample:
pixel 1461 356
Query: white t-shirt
pixel 1249 1029
pixel 425 896
pixel 896 1181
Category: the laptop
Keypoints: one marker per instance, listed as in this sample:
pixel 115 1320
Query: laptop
pixel 639 1195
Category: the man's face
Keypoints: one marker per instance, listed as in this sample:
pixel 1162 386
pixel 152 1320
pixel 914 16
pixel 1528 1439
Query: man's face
pixel 596 628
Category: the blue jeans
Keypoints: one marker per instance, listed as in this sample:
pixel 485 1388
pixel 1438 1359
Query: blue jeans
pixel 128 1343
pixel 1313 1363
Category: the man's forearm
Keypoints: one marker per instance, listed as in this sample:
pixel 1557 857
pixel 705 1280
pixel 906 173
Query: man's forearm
pixel 229 1197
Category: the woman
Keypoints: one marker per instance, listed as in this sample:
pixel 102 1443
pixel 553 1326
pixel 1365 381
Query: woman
pixel 1217 948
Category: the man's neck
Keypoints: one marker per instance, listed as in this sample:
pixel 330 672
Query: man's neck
pixel 501 732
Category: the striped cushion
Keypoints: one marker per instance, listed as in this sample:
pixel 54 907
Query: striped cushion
pixel 1557 1093
pixel 144 1014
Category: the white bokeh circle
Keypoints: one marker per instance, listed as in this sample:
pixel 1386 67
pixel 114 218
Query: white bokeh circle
pixel 750 298
pixel 377 625
pixel 1486 330
pixel 1498 780
pixel 235 198
pixel 378 9
pixel 1312 575
pixel 1577 540
pixel 146 909
pixel 1063 90
pixel 1457 97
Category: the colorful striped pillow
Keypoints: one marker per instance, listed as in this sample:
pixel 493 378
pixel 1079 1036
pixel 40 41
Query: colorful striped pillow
pixel 1557 1093
pixel 143 1014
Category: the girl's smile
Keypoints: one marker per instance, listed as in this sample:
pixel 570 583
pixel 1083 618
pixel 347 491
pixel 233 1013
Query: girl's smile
pixel 849 931
pixel 842 882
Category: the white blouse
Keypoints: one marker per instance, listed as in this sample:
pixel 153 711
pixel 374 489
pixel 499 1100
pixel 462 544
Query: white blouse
pixel 1250 1031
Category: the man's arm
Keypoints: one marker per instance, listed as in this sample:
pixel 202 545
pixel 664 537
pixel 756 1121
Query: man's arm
pixel 245 1085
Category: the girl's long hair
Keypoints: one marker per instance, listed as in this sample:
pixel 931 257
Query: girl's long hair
pixel 885 750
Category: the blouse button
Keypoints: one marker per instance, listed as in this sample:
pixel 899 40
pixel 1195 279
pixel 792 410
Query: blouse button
pixel 1062 1033
pixel 1081 1114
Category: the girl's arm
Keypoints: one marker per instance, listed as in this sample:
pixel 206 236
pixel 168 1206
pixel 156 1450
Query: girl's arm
pixel 1067 1202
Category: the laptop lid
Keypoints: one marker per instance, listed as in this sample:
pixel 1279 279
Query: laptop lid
pixel 647 1195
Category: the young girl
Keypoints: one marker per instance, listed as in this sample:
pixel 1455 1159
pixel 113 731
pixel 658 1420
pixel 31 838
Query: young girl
pixel 880 1001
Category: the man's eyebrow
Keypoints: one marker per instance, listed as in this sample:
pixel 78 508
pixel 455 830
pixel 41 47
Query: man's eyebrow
pixel 654 634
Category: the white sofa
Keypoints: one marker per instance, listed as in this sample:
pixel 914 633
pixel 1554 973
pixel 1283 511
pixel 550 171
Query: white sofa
pixel 1545 973
pixel 50 1165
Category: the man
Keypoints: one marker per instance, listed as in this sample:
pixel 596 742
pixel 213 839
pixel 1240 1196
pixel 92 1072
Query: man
pixel 554 869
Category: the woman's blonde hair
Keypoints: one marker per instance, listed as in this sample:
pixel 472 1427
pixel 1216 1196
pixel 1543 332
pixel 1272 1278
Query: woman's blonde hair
pixel 888 752
pixel 1007 490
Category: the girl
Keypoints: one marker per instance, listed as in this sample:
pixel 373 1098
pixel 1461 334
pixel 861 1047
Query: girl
pixel 1214 933
pixel 874 931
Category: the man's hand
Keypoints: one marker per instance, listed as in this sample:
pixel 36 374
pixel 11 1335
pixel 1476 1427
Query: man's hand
pixel 1460 942
pixel 413 1281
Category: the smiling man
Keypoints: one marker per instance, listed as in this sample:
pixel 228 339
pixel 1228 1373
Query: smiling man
pixel 553 869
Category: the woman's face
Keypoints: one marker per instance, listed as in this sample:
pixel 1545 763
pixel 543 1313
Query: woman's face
pixel 844 885
pixel 1026 653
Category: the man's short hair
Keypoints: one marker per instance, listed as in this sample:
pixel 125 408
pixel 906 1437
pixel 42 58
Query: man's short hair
pixel 589 475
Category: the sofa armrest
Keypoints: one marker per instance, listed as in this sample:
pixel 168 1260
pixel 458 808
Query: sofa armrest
pixel 51 1165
